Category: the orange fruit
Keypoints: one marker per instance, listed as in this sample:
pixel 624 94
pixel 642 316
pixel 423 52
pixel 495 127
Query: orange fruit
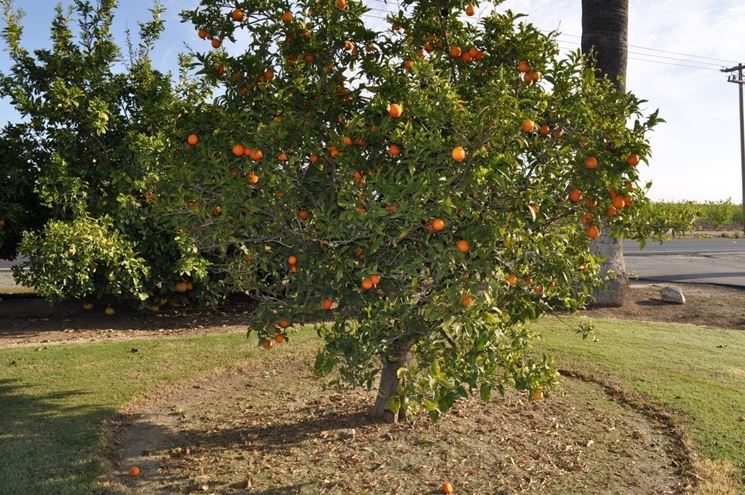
pixel 593 232
pixel 633 159
pixel 313 158
pixel 366 284
pixel 282 156
pixel 358 177
pixel 532 76
pixel 527 125
pixel 257 155
pixel 458 154
pixel 523 66
pixel 302 214
pixel 293 269
pixel 193 139
pixel 283 323
pixel 88 306
pixel 575 196
pixel 216 43
pixel 292 260
pixel 219 70
pixel 611 211
pixel 109 311
pixel 618 202
pixel 394 149
pixel 627 200
pixel 237 15
pixel 348 45
pixel 203 33
pixel 544 130
pixel 346 141
pixel 341 4
pixel 511 280
pixel 587 218
pixel 590 203
pixel 334 151
pixel 267 344
pixel 375 279
pixel 466 300
pixel 591 162
pixel 238 149
pixel 279 338
pixel 309 57
pixel 286 17
pixel 447 489
pixel 395 110
pixel 252 178
pixel 470 10
pixel 327 304
pixel 408 64
pixel 536 394
pixel 181 287
pixel 437 224
pixel 455 51
pixel 463 245
pixel 134 471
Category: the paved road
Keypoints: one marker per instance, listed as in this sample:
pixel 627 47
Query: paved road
pixel 704 261
pixel 685 246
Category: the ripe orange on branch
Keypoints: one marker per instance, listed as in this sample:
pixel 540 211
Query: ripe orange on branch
pixel 633 159
pixel 527 125
pixel 575 196
pixel 591 162
pixel 463 245
pixel 192 139
pixel 395 110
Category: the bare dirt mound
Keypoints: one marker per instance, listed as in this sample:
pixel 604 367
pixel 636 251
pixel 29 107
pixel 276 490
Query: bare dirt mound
pixel 271 429
pixel 709 305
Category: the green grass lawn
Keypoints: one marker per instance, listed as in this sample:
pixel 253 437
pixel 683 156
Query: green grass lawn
pixel 53 400
pixel 696 371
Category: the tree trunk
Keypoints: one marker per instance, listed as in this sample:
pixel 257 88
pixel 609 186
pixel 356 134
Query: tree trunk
pixel 389 383
pixel 605 36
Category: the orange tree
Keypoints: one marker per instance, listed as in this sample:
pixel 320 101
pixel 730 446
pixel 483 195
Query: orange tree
pixel 86 157
pixel 425 189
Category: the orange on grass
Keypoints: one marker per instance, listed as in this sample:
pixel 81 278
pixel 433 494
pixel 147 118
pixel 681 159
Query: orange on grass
pixel 216 43
pixel 237 15
pixel 593 232
pixel 279 338
pixel 134 471
pixel 327 304
pixel 238 149
pixel 470 10
pixel 536 394
pixel 458 154
pixel 192 140
pixel 633 159
pixel 591 162
pixel 267 344
pixel 511 280
pixel 395 110
pixel 447 489
pixel 375 279
pixel 523 66
pixel 437 224
pixel 292 260
pixel 527 125
pixel 463 245
pixel 394 149
pixel 575 196
pixel 366 283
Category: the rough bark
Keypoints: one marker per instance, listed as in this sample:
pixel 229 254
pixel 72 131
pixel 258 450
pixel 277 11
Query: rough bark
pixel 605 36
pixel 388 387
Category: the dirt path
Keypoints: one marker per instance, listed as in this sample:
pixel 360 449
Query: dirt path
pixel 271 429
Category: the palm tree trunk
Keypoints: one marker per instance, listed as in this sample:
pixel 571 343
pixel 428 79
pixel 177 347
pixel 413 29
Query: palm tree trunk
pixel 605 39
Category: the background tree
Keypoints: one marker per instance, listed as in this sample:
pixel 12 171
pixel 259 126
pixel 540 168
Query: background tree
pixel 605 41
pixel 429 188
pixel 94 127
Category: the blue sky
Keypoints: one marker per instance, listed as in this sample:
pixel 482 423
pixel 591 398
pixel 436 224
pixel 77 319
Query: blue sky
pixel 677 49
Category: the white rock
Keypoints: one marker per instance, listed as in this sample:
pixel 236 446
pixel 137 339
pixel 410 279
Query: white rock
pixel 673 295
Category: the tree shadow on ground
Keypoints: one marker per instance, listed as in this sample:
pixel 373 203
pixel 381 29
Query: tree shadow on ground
pixel 45 444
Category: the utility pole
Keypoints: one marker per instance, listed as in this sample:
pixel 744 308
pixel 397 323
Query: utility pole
pixel 738 79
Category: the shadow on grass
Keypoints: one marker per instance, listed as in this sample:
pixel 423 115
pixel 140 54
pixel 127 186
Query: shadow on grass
pixel 47 446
